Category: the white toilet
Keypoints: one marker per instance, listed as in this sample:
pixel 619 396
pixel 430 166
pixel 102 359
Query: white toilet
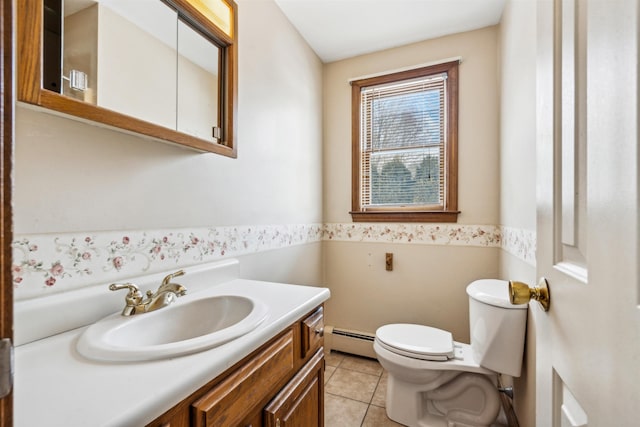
pixel 435 381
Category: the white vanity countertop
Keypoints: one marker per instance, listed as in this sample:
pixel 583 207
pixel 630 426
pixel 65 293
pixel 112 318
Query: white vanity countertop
pixel 56 386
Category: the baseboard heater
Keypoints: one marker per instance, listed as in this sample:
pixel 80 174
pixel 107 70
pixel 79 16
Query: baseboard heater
pixel 349 341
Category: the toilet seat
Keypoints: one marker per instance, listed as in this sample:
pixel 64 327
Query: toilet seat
pixel 416 341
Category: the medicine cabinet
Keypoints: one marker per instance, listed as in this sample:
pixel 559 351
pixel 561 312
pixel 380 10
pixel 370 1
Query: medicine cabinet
pixel 166 69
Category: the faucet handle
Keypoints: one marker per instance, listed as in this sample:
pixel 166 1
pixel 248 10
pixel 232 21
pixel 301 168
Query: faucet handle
pixel 168 278
pixel 134 296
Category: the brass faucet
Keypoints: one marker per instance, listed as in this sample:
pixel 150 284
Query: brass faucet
pixel 166 294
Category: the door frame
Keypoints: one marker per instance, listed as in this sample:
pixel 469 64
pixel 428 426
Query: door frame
pixel 6 165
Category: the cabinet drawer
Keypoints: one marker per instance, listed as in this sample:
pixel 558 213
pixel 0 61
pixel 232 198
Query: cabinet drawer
pixel 228 403
pixel 312 332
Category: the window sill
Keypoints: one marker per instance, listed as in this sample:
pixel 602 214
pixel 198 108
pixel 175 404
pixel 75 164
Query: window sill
pixel 405 216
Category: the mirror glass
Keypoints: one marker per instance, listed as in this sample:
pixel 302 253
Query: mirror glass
pixel 198 74
pixel 137 58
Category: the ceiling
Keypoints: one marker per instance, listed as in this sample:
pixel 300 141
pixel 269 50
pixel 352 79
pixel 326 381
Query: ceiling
pixel 339 29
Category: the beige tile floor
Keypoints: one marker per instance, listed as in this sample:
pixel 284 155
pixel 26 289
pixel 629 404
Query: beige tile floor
pixel 354 392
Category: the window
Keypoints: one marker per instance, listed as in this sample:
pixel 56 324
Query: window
pixel 404 137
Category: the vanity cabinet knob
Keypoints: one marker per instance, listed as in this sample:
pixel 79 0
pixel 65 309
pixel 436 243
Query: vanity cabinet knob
pixel 319 331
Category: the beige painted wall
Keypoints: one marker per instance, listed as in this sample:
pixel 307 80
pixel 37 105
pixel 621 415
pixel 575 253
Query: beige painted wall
pixel 426 286
pixel 71 176
pixel 517 46
pixel 518 115
pixel 428 283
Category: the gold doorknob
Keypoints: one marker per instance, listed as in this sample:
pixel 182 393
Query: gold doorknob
pixel 521 293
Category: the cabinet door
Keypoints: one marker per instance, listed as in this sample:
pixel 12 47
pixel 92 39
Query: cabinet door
pixel 301 401
pixel 312 332
pixel 228 403
pixel 253 421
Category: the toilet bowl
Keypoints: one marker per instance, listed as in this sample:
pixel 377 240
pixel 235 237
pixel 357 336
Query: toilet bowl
pixel 436 381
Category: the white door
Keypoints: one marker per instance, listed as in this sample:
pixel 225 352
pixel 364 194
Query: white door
pixel 588 343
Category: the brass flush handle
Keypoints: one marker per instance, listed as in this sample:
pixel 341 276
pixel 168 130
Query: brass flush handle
pixel 521 293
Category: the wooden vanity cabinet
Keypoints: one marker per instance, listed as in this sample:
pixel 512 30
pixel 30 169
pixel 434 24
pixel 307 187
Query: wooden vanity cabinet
pixel 281 384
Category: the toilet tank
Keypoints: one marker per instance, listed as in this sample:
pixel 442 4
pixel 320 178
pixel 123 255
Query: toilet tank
pixel 497 327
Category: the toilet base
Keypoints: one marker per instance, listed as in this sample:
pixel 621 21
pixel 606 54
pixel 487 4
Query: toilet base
pixel 458 399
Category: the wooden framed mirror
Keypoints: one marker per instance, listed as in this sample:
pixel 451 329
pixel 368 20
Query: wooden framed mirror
pixel 166 69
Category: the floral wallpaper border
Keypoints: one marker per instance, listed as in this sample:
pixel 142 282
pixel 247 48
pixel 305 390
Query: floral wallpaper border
pixel 434 234
pixel 520 243
pixel 48 263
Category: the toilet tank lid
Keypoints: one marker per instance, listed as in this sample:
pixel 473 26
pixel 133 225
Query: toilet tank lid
pixel 493 292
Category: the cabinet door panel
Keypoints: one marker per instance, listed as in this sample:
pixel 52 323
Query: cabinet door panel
pixel 312 332
pixel 253 421
pixel 301 402
pixel 228 403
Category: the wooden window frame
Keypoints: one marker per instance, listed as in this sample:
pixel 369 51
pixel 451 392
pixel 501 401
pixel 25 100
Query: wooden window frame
pixel 449 210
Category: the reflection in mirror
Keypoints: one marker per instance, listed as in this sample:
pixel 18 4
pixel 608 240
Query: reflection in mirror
pixel 198 83
pixel 127 51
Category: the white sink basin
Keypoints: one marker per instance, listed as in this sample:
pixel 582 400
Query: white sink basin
pixel 182 328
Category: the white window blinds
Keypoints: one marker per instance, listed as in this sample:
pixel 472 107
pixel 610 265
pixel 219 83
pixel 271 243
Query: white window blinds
pixel 402 143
